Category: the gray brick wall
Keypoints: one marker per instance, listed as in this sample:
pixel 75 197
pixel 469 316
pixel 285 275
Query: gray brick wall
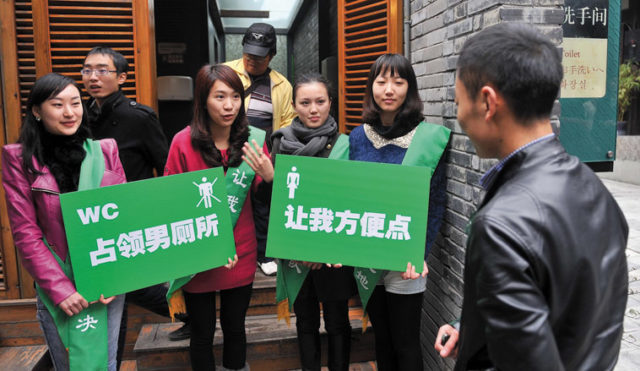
pixel 306 43
pixel 439 28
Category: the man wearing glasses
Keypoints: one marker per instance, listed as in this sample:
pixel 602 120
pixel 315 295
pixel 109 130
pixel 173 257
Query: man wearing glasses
pixel 268 97
pixel 142 146
pixel 135 127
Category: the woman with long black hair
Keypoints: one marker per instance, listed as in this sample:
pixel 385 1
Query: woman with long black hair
pixel 393 132
pixel 216 137
pixel 54 155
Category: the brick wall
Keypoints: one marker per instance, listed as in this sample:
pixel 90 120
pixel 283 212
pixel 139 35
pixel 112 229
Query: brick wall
pixel 306 43
pixel 439 28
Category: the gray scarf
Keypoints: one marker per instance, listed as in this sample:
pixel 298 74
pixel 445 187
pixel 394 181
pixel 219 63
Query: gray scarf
pixel 297 139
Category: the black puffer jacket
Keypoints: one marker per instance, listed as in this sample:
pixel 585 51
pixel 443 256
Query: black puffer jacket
pixel 545 273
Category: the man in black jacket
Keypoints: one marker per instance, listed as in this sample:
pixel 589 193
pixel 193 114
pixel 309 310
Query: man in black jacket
pixel 142 147
pixel 141 143
pixel 545 281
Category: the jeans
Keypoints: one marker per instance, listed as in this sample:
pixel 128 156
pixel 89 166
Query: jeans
pixel 395 319
pixel 201 308
pixel 57 350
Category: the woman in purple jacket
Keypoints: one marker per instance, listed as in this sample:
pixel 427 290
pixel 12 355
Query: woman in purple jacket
pixel 45 162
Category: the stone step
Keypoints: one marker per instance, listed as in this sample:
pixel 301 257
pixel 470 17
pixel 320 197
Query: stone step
pixel 25 358
pixel 271 345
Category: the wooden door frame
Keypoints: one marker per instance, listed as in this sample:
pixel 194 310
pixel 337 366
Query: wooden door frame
pixel 10 83
pixel 10 120
pixel 41 37
pixel 145 53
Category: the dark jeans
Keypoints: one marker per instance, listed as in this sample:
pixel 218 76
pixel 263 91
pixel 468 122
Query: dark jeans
pixel 152 298
pixel 336 323
pixel 202 314
pixel 396 323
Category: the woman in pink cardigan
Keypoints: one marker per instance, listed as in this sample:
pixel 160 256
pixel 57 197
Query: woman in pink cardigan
pixel 218 136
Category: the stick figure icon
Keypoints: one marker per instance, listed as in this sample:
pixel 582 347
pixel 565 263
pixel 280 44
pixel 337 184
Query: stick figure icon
pixel 206 192
pixel 293 181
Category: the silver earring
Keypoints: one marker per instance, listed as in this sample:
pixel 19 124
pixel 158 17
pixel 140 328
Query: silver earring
pixel 38 118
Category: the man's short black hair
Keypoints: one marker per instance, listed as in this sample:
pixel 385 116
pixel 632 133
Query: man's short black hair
pixel 523 65
pixel 119 61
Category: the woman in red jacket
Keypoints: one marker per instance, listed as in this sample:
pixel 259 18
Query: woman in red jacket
pixel 216 137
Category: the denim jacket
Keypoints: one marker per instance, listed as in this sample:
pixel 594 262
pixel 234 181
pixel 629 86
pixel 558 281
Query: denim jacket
pixel 33 205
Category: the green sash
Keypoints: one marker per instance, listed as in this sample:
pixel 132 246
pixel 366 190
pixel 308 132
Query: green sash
pixel 291 275
pixel 84 335
pixel 426 149
pixel 238 182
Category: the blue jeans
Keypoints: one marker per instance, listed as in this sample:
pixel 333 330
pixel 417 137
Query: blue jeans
pixel 57 350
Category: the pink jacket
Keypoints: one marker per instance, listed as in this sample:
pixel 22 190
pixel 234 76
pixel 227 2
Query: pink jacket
pixel 33 205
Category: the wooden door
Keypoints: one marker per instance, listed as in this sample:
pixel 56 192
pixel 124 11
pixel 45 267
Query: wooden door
pixel 366 30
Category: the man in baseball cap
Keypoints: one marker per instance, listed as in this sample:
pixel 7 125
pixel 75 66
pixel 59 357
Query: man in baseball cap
pixel 259 40
pixel 268 97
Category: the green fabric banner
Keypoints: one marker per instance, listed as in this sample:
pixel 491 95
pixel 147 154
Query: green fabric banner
pixel 291 274
pixel 426 149
pixel 84 335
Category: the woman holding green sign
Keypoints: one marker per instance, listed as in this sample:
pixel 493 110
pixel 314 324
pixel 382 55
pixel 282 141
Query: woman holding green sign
pixel 216 137
pixel 55 155
pixel 303 284
pixel 393 132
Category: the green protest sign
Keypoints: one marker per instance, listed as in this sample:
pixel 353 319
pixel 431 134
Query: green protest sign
pixel 356 213
pixel 129 236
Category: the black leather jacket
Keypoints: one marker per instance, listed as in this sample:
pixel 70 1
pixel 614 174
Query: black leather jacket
pixel 545 272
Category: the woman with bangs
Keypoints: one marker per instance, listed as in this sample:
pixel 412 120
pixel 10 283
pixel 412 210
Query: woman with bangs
pixel 219 135
pixel 393 132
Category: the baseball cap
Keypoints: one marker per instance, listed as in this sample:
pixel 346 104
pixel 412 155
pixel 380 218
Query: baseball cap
pixel 259 39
